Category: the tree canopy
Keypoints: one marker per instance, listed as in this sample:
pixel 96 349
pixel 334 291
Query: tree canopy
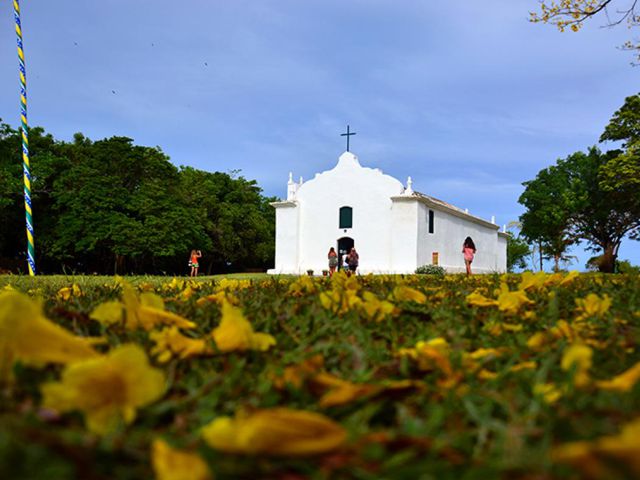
pixel 112 206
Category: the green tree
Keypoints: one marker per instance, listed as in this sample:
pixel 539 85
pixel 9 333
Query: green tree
pixel 621 175
pixel 602 217
pixel 518 251
pixel 121 204
pixel 236 217
pixel 547 220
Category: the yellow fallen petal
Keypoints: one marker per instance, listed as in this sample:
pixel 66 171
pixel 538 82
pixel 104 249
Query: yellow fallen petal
pixel 235 333
pixel 172 464
pixel 169 342
pixel 548 391
pixel 262 342
pixel 408 294
pixel 478 300
pixel 623 382
pixel 345 393
pixel 108 313
pixel 151 317
pixel 149 299
pixel 26 335
pixel 108 389
pixel 278 431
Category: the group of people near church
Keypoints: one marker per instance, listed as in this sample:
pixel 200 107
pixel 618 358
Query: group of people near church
pixel 349 261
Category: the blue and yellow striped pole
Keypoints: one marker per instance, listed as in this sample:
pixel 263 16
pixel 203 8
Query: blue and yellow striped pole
pixel 25 143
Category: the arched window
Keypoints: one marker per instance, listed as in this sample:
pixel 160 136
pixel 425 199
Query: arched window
pixel 346 217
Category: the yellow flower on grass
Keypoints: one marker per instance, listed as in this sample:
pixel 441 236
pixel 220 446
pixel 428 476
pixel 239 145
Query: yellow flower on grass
pixel 304 284
pixel 530 365
pixel 532 281
pixel 592 306
pixel 579 357
pixel 478 300
pixel 236 333
pixel 623 382
pixel 433 355
pixel 218 297
pixel 108 313
pixel 108 389
pixel 148 311
pixel 510 302
pixel 144 311
pixel 169 343
pixel 27 336
pixel 345 392
pixel 231 285
pixel 590 456
pixel 403 293
pixel 376 309
pixel 277 431
pixel 172 464
pixel 570 277
pixel 537 341
pixel 487 352
pixel 340 301
pixel 548 391
pixel 65 293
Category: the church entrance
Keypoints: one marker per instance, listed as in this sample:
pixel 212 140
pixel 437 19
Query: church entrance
pixel 345 244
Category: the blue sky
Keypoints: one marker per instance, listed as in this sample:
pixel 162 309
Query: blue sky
pixel 468 98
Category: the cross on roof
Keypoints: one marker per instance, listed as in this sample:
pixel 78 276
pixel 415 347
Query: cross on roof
pixel 348 134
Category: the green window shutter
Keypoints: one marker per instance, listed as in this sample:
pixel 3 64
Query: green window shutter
pixel 346 217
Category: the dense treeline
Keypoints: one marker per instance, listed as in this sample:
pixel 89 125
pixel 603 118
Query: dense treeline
pixel 110 206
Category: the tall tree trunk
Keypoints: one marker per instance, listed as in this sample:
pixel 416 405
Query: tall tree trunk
pixel 608 259
pixel 556 259
pixel 540 252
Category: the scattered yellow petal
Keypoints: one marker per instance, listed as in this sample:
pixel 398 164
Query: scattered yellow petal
pixel 170 343
pixel 26 335
pixel 407 294
pixel 623 382
pixel 107 389
pixel 592 306
pixel 579 357
pixel 277 431
pixel 172 464
pixel 235 332
pixel 548 391
pixel 108 313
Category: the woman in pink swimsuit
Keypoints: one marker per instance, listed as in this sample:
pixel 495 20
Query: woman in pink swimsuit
pixel 469 250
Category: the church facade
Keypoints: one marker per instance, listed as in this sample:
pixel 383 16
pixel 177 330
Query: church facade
pixel 393 228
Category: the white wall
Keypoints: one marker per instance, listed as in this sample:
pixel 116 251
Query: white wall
pixel 404 235
pixel 501 259
pixel 448 237
pixel 286 237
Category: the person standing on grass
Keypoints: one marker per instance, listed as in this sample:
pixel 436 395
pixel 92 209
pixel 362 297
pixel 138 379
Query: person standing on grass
pixel 193 262
pixel 333 261
pixel 469 250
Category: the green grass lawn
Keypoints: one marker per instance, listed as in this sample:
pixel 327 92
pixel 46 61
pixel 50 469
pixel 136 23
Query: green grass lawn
pixel 429 377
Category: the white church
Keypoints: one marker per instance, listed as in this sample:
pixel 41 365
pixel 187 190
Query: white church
pixel 393 228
